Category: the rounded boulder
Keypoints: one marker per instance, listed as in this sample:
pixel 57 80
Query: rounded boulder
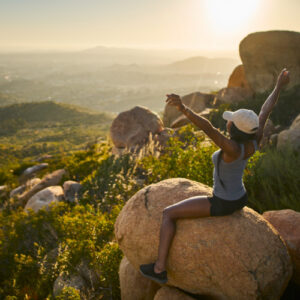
pixel 132 128
pixel 239 256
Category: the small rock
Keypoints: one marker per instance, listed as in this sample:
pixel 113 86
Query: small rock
pixel 74 281
pixel 31 172
pixel 44 197
pixel 71 190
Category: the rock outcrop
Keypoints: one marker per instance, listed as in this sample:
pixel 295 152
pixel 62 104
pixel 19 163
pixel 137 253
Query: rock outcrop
pixel 196 101
pixel 49 180
pixel 287 223
pixel 133 285
pixel 232 257
pixel 132 128
pixel 265 54
pixel 44 197
pixel 238 78
pixel 291 135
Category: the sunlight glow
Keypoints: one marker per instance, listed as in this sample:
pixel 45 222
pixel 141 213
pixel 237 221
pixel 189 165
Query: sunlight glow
pixel 230 15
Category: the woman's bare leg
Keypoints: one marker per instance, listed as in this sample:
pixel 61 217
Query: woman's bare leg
pixel 194 207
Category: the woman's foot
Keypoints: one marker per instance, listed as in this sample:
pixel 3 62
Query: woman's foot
pixel 149 271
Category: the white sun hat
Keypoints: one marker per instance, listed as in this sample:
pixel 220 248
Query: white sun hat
pixel 245 120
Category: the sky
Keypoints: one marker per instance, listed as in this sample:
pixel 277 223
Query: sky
pixel 208 25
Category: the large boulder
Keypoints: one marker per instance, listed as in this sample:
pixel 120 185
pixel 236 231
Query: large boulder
pixel 49 180
pixel 265 54
pixel 196 101
pixel 291 135
pixel 132 128
pixel 231 257
pixel 44 197
pixel 133 285
pixel 287 223
pixel 238 78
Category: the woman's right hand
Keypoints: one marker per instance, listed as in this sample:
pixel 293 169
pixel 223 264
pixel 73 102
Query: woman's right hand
pixel 283 78
pixel 175 100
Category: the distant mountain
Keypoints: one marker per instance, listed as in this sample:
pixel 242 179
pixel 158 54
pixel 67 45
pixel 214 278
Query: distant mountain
pixel 16 116
pixel 200 64
pixel 140 55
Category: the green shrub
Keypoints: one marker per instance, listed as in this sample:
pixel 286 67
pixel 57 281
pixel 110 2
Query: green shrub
pixel 68 293
pixel 73 234
pixel 272 180
pixel 189 159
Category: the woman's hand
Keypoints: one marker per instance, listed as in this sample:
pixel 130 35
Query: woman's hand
pixel 283 78
pixel 175 100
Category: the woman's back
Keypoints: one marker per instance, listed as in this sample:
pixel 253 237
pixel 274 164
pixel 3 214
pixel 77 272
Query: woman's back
pixel 231 174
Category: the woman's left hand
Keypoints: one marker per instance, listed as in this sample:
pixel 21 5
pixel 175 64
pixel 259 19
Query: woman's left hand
pixel 283 78
pixel 175 100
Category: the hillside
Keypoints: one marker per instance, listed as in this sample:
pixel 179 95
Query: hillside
pixel 18 116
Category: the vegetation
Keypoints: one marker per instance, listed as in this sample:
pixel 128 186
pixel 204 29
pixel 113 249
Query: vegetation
pixel 37 248
pixel 284 112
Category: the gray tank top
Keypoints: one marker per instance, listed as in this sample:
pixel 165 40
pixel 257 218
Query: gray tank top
pixel 231 175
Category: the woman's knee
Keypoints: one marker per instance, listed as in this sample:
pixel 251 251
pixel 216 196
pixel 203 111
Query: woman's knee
pixel 169 213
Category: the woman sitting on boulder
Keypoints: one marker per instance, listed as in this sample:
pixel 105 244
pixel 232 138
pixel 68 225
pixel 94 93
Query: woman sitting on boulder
pixel 245 129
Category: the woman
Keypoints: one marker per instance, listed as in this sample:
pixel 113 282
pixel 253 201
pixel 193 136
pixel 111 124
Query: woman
pixel 246 130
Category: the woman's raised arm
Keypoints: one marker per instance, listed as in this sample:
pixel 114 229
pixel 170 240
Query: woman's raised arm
pixel 282 80
pixel 227 145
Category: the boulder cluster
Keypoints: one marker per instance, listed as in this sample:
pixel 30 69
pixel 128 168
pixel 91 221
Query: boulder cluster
pixel 263 55
pixel 35 193
pixel 240 256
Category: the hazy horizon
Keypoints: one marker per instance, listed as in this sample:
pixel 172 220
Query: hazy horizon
pixel 209 27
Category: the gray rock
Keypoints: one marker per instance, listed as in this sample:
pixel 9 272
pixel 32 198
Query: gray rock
pixel 74 281
pixel 44 197
pixel 31 172
pixel 71 190
pixel 290 136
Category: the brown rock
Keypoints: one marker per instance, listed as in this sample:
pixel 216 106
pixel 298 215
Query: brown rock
pixel 44 197
pixel 238 78
pixel 232 95
pixel 287 223
pixel 235 257
pixel 170 293
pixel 290 136
pixel 265 54
pixel 196 101
pixel 49 180
pixel 133 285
pixel 131 128
pixel 183 120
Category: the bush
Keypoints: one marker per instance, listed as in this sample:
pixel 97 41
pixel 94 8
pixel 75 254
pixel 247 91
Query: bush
pixel 36 247
pixel 272 180
pixel 189 159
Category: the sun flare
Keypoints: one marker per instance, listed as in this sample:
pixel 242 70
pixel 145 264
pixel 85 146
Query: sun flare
pixel 230 15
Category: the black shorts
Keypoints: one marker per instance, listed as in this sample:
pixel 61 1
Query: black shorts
pixel 221 207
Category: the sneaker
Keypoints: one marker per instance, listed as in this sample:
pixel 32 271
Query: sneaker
pixel 148 271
